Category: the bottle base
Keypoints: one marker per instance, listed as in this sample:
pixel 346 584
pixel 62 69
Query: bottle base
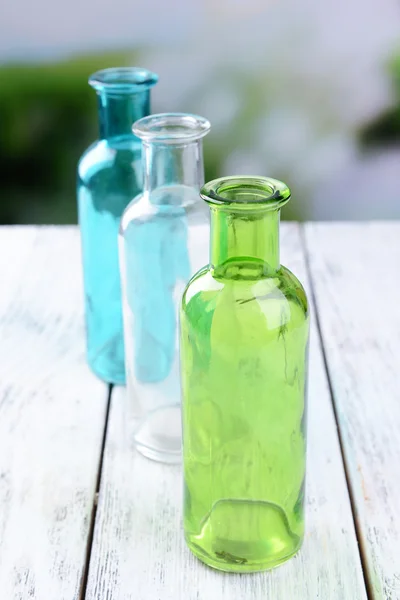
pixel 236 566
pixel 244 536
pixel 159 436
pixel 106 374
pixel 171 458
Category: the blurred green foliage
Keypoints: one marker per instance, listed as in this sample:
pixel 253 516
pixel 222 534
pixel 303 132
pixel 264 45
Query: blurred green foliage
pixel 385 130
pixel 48 117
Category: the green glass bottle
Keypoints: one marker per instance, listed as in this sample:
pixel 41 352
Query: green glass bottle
pixel 244 343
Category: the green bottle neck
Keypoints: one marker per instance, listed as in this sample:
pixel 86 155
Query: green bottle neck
pixel 237 235
pixel 118 112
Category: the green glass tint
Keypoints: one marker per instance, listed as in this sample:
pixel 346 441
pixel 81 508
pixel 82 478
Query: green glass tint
pixel 244 340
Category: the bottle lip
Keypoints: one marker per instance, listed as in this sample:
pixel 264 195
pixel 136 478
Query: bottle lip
pixel 123 80
pixel 245 192
pixel 171 128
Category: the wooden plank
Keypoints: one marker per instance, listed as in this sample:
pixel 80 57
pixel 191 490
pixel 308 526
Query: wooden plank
pixel 355 270
pixel 52 416
pixel 138 549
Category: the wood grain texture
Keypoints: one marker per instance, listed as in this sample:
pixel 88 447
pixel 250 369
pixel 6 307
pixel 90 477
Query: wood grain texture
pixel 52 414
pixel 138 548
pixel 356 278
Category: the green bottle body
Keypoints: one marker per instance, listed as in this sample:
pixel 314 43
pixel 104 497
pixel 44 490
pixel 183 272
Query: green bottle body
pixel 244 345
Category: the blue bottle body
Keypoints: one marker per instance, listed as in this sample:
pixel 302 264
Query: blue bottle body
pixel 109 176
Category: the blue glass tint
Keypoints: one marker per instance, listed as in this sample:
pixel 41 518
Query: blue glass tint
pixel 109 176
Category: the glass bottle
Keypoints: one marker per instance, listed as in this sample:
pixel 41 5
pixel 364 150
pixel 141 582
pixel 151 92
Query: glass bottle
pixel 163 240
pixel 109 176
pixel 244 340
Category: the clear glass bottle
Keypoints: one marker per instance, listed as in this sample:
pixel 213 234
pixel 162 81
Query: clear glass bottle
pixel 244 341
pixel 164 238
pixel 109 176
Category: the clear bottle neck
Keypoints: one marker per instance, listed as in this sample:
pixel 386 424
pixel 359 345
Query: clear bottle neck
pixel 118 112
pixel 238 235
pixel 170 164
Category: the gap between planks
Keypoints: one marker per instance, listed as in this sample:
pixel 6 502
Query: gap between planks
pixel 136 539
pixel 357 526
pixel 82 592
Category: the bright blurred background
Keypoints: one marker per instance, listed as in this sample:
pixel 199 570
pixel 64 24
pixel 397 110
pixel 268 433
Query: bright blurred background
pixel 301 90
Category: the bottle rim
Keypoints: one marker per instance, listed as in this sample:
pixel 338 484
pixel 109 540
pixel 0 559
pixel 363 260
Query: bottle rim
pixel 245 191
pixel 122 80
pixel 171 128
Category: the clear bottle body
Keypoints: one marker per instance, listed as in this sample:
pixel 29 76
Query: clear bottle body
pixel 163 240
pixel 244 341
pixel 109 176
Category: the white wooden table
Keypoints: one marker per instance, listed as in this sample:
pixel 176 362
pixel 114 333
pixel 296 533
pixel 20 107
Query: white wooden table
pixel 83 517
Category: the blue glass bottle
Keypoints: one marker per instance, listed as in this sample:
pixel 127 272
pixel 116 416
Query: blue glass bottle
pixel 109 176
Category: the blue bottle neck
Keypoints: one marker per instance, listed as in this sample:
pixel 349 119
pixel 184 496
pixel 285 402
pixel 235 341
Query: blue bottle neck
pixel 118 112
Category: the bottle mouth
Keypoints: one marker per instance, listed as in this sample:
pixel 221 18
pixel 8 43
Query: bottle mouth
pixel 244 192
pixel 123 80
pixel 171 128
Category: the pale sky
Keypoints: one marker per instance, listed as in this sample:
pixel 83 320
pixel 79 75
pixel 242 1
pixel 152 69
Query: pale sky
pixel 34 29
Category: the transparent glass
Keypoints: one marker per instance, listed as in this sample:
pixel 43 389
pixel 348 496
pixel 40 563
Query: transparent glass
pixel 109 175
pixel 163 240
pixel 244 342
